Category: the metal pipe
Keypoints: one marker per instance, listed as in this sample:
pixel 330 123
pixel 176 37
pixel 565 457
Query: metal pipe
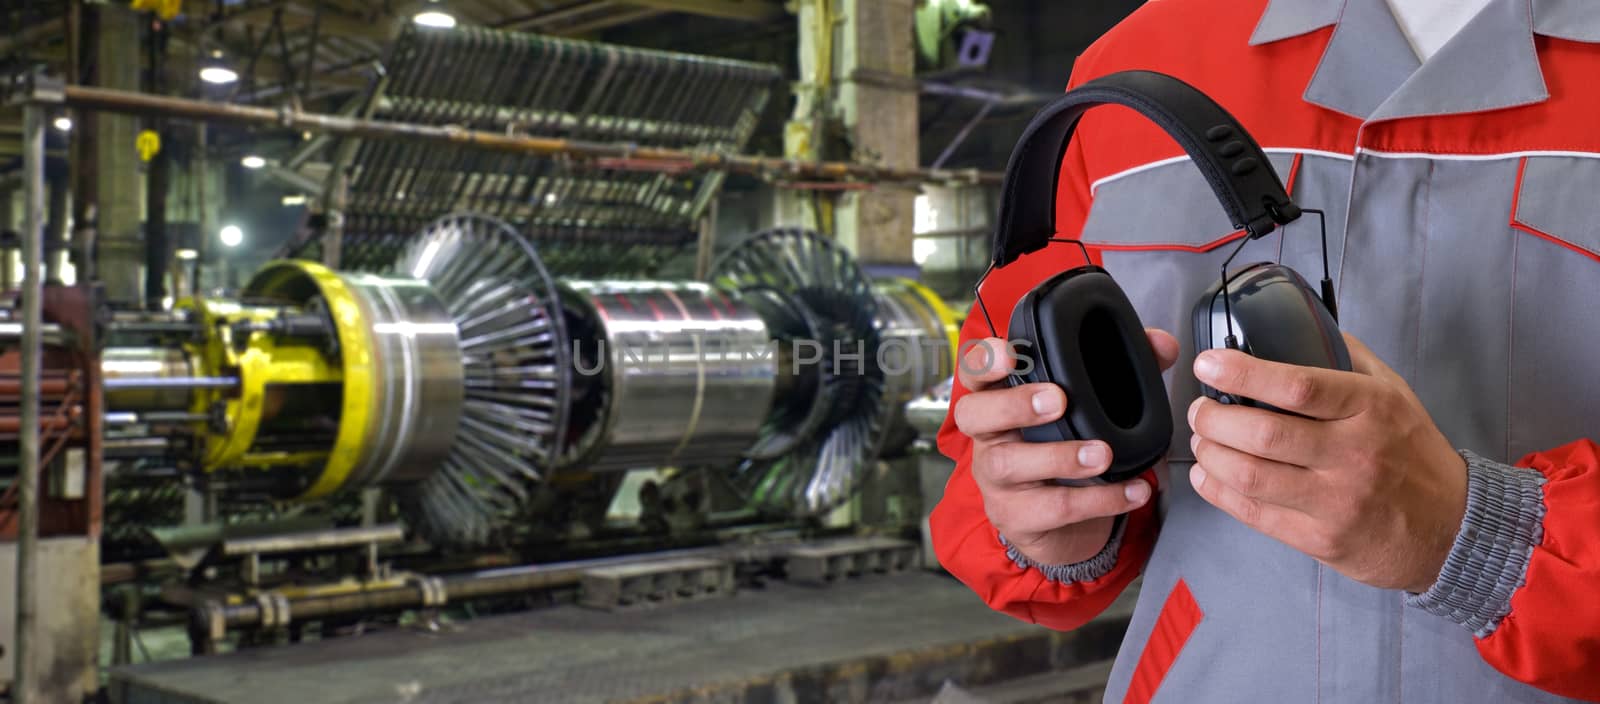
pixel 155 327
pixel 313 540
pixel 119 448
pixel 158 382
pixel 14 424
pixel 473 585
pixel 33 124
pixel 50 333
pixel 635 158
pixel 131 418
pixel 50 385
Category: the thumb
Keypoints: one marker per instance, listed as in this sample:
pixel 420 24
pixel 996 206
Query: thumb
pixel 1364 361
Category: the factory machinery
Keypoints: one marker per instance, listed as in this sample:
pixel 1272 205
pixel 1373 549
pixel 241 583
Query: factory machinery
pixel 480 403
pixel 466 376
pixel 439 415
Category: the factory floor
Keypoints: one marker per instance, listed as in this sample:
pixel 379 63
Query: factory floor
pixel 913 637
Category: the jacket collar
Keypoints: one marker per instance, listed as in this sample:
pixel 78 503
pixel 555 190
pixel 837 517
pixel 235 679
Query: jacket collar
pixel 1369 71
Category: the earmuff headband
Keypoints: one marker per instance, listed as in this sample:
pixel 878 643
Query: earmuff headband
pixel 1232 162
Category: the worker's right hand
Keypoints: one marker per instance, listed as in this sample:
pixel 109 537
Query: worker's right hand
pixel 1048 523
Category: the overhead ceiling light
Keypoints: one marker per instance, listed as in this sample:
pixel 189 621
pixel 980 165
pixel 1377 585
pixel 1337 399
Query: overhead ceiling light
pixel 252 161
pixel 186 254
pixel 434 18
pixel 63 123
pixel 218 75
pixel 231 235
pixel 294 199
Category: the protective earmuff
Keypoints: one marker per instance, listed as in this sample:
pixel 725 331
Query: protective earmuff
pixel 1078 329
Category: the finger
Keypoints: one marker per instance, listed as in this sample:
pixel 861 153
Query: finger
pixel 983 362
pixel 1263 433
pixel 1014 464
pixel 1275 483
pixel 1274 521
pixel 1364 361
pixel 1166 347
pixel 996 410
pixel 1047 508
pixel 1309 391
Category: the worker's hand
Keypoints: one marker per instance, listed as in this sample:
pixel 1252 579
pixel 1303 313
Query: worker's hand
pixel 1365 483
pixel 1048 523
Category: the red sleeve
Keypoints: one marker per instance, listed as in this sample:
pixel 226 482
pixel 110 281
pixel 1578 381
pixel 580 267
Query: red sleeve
pixel 1551 638
pixel 969 547
pixel 964 540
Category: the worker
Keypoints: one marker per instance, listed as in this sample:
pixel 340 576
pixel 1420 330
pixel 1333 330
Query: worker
pixel 1425 528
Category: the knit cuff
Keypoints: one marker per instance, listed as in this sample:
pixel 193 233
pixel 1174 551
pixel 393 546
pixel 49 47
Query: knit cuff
pixel 1504 521
pixel 1087 571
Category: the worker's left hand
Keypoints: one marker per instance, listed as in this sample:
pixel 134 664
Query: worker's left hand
pixel 1365 482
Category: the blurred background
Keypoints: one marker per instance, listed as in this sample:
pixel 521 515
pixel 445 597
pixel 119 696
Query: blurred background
pixel 502 350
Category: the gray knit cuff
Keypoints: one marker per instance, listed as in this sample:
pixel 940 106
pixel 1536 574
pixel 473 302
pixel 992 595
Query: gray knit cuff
pixel 1489 560
pixel 1086 571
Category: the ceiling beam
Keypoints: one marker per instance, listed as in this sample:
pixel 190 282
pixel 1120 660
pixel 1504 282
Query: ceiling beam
pixel 545 18
pixel 381 27
pixel 31 34
pixel 269 68
pixel 606 21
pixel 743 10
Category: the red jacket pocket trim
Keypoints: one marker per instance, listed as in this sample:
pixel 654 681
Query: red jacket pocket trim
pixel 1517 222
pixel 1179 616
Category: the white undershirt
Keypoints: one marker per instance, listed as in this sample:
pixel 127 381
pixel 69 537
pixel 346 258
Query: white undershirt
pixel 1428 24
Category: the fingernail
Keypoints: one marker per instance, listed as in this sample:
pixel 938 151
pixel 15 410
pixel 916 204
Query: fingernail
pixel 1194 444
pixel 1046 403
pixel 977 359
pixel 1136 491
pixel 1197 476
pixel 1194 408
pixel 1205 366
pixel 1094 454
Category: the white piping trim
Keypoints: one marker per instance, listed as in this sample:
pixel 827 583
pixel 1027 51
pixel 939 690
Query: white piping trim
pixel 1313 152
pixel 1474 157
pixel 1093 187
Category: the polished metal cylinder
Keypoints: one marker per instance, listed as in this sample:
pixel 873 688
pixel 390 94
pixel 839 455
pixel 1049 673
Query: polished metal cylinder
pixel 147 379
pixel 676 374
pixel 417 395
pixel 399 366
pixel 916 337
pixel 925 414
pixel 914 349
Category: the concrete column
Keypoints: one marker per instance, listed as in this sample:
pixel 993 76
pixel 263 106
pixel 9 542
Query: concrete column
pixel 877 46
pixel 857 81
pixel 118 180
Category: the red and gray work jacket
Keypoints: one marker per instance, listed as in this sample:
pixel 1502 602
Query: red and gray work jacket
pixel 1463 206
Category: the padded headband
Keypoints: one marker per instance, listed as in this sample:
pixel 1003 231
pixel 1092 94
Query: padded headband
pixel 1232 162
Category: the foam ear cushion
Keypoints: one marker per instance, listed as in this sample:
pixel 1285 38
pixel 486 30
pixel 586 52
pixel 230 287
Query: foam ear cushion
pixel 1081 333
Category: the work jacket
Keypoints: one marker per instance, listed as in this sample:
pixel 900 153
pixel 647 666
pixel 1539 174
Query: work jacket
pixel 1463 214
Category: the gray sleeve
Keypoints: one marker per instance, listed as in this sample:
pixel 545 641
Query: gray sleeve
pixel 1489 560
pixel 1086 571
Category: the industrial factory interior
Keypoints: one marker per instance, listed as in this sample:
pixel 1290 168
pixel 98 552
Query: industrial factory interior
pixel 430 351
pixel 715 351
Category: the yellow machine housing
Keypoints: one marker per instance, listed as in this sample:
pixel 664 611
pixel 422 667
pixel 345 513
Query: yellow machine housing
pixel 332 374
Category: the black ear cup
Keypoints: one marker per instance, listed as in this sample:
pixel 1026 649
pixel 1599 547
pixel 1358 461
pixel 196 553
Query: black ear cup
pixel 1276 316
pixel 1079 331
